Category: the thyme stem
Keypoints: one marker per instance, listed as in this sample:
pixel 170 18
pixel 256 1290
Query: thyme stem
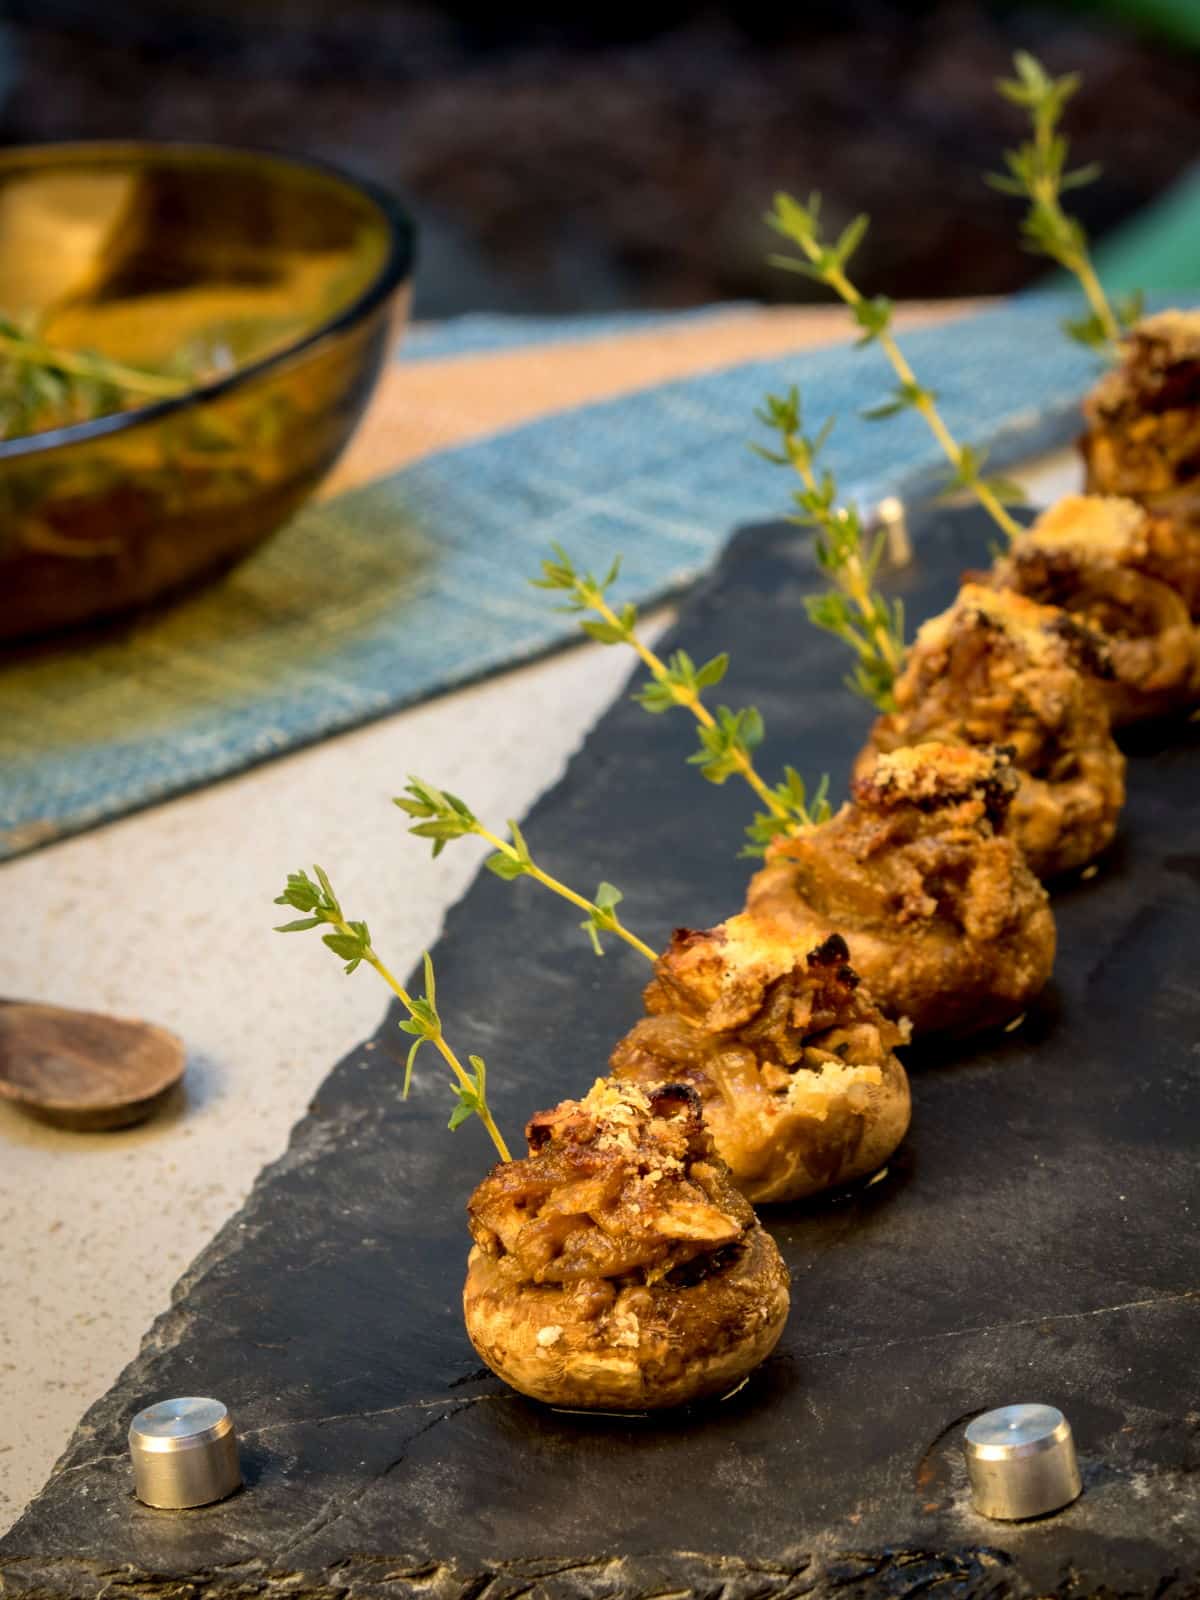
pixel 1037 172
pixel 437 1039
pixel 608 917
pixel 685 695
pixel 852 574
pixel 871 625
pixel 727 738
pixel 441 816
pixel 922 400
pixel 351 942
pixel 1045 193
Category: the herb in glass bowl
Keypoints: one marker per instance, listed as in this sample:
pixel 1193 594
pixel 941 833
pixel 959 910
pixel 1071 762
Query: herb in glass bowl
pixel 43 385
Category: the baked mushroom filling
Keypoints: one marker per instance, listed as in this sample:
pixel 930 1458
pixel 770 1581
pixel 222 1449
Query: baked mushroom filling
pixel 1143 418
pixel 915 845
pixel 1091 556
pixel 1115 601
pixel 791 1059
pixel 619 1190
pixel 944 920
pixel 1000 669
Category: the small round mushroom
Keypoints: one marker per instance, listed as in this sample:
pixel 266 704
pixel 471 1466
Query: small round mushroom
pixel 616 1267
pixel 793 1061
pixel 944 920
pixel 999 669
pixel 1091 555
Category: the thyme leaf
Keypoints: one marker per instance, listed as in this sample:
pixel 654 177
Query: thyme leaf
pixel 800 224
pixel 853 609
pixel 351 942
pixel 441 816
pixel 727 737
pixel 1037 171
pixel 44 386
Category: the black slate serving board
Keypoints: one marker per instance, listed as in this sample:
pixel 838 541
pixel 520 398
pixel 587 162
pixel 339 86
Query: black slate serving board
pixel 1034 1239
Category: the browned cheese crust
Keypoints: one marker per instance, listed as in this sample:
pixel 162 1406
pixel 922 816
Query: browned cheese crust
pixel 792 1059
pixel 1090 555
pixel 943 918
pixel 616 1267
pixel 1142 440
pixel 998 669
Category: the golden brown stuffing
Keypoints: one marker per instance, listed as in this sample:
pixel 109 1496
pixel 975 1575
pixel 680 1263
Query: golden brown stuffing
pixel 616 1266
pixel 1142 440
pixel 620 1182
pixel 999 669
pixel 1089 554
pixel 943 918
pixel 791 1058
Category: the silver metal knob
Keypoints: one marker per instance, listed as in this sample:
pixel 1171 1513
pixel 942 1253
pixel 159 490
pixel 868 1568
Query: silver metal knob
pixel 184 1453
pixel 1021 1462
pixel 891 518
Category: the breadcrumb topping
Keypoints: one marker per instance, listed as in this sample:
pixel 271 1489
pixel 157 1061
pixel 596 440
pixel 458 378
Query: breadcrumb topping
pixel 833 1083
pixel 1157 345
pixel 1177 331
pixel 934 771
pixel 749 942
pixel 1103 524
pixel 1033 628
pixel 624 1181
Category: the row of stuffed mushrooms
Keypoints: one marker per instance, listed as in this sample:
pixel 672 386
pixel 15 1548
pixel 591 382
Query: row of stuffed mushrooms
pixel 620 1264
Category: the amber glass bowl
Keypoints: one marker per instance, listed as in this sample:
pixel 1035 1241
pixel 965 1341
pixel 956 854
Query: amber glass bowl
pixel 296 275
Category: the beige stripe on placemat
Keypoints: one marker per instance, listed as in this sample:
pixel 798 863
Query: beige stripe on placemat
pixel 430 405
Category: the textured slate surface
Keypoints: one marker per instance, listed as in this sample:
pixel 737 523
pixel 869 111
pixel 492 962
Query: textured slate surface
pixel 1035 1239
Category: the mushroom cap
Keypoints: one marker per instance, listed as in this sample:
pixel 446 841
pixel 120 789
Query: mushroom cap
pixel 666 1344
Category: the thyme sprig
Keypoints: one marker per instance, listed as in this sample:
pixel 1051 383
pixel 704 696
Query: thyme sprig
pixel 442 816
pixel 1037 172
pixel 826 261
pixel 43 385
pixel 854 610
pixel 728 738
pixel 351 942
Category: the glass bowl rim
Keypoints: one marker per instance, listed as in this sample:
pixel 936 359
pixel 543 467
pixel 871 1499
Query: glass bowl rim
pixel 395 270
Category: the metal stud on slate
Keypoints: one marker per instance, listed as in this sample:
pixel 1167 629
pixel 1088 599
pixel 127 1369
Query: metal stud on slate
pixel 890 516
pixel 184 1453
pixel 1021 1462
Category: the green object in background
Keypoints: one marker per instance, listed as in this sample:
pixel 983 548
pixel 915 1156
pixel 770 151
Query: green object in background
pixel 1160 248
pixel 1177 20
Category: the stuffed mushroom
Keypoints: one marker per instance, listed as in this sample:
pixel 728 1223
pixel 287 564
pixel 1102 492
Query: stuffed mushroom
pixel 999 669
pixel 793 1061
pixel 1092 556
pixel 1142 441
pixel 943 918
pixel 616 1267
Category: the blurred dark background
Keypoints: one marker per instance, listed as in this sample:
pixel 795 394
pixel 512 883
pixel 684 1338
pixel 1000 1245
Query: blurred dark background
pixel 561 159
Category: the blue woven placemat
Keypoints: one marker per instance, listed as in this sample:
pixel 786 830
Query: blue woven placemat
pixel 487 332
pixel 395 591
